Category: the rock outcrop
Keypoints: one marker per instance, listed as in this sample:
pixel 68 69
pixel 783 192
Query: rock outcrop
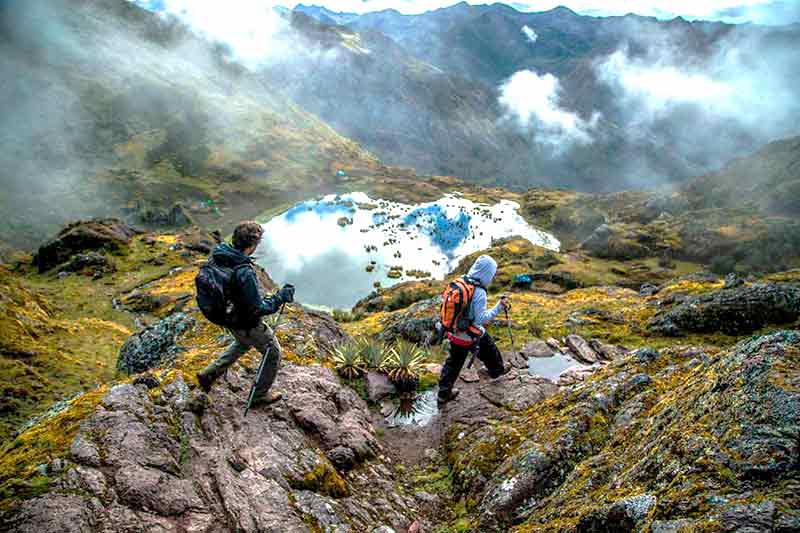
pixel 108 233
pixel 91 263
pixel 734 311
pixel 175 462
pixel 154 345
pixel 662 440
pixel 416 324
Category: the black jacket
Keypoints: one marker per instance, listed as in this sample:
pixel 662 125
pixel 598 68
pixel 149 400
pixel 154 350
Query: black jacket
pixel 245 292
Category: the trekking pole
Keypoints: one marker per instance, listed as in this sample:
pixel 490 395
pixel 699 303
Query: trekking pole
pixel 261 367
pixel 510 334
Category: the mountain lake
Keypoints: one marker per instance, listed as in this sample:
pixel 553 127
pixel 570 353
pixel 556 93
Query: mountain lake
pixel 337 248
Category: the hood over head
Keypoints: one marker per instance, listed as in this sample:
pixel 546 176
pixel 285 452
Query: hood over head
pixel 226 255
pixel 483 270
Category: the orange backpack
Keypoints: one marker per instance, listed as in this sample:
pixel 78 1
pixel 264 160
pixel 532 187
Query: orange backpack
pixel 456 299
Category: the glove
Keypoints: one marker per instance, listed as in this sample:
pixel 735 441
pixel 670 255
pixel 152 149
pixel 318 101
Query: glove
pixel 286 294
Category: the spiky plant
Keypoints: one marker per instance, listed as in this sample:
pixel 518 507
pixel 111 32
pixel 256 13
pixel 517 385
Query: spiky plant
pixel 374 354
pixel 406 361
pixel 347 360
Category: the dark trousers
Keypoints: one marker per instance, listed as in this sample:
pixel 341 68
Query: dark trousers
pixel 488 354
pixel 262 339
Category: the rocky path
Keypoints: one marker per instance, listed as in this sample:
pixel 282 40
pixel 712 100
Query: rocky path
pixel 480 399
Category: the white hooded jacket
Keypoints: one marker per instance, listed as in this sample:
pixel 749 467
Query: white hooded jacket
pixel 483 270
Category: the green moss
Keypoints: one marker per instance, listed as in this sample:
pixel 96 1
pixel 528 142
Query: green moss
pixel 437 481
pixel 48 440
pixel 323 479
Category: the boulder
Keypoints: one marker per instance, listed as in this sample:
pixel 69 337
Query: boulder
pixel 326 332
pixel 414 330
pixel 581 349
pixel 177 215
pixel 565 280
pixel 154 345
pixel 200 241
pixel 554 344
pixel 378 386
pixel 415 323
pixel 575 375
pixel 735 311
pixel 517 390
pixel 537 348
pixel 95 234
pixel 607 352
pixel 648 289
pixel 90 262
pixel 732 281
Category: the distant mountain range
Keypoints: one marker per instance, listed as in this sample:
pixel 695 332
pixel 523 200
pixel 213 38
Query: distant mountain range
pixel 475 49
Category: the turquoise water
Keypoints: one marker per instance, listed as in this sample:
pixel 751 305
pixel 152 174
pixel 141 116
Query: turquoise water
pixel 551 367
pixel 336 248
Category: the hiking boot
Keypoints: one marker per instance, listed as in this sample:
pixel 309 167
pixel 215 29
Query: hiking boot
pixel 267 399
pixel 205 382
pixel 484 374
pixel 444 399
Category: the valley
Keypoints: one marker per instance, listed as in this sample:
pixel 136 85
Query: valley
pixel 653 343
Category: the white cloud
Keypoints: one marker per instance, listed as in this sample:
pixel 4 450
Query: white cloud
pixel 656 88
pixel 247 26
pixel 534 102
pixel 529 34
pixel 731 84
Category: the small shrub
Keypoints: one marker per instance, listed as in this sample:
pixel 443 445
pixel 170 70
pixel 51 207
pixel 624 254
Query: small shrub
pixel 343 316
pixel 405 361
pixel 347 360
pixel 374 354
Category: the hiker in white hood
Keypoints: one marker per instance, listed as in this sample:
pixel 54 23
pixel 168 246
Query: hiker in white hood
pixel 480 276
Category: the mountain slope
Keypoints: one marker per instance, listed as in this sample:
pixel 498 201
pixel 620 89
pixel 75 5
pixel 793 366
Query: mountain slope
pixel 110 106
pixel 768 180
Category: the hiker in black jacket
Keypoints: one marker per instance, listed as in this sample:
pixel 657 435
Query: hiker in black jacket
pixel 246 326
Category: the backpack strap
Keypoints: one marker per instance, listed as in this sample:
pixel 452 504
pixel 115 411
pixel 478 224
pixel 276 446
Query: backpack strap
pixel 474 281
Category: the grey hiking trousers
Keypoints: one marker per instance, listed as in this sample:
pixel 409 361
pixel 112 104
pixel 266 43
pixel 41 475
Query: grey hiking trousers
pixel 262 339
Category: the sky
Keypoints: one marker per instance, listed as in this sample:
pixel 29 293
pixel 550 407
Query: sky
pixel 733 11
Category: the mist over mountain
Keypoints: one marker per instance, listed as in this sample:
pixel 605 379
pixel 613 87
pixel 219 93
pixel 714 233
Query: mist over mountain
pixel 107 106
pixel 587 86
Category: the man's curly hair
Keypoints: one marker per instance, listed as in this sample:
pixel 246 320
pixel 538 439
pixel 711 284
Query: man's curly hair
pixel 247 234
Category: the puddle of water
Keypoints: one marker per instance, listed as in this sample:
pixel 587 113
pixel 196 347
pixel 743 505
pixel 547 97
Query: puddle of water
pixel 336 248
pixel 418 411
pixel 551 367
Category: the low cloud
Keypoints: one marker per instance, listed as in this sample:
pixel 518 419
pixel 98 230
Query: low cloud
pixel 529 34
pixel 655 89
pixel 247 27
pixel 741 94
pixel 534 102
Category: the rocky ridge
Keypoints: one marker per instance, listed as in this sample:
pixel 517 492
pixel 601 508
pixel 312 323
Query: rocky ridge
pixel 663 440
pixel 168 459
